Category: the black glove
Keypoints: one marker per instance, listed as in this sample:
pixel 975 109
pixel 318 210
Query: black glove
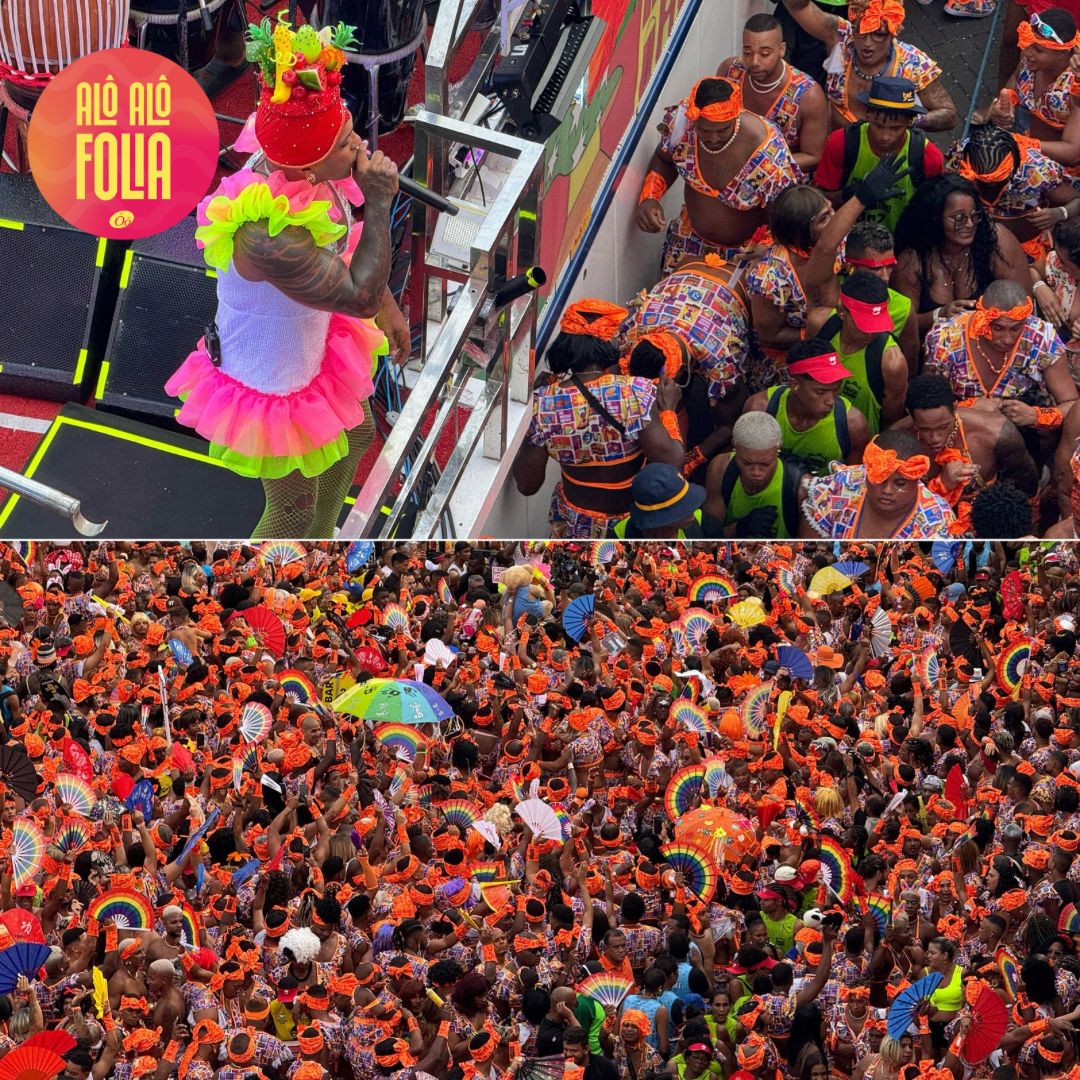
pixel 880 184
pixel 759 524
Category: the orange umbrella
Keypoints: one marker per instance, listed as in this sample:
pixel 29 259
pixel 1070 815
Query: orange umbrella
pixel 715 828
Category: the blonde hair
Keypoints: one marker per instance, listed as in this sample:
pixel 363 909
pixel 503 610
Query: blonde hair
pixel 500 815
pixel 827 802
pixel 892 1053
pixel 192 578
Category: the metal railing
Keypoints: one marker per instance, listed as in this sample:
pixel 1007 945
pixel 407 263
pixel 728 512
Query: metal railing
pixel 475 338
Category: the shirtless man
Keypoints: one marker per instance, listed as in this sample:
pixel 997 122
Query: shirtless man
pixel 780 93
pixel 168 946
pixel 734 164
pixel 968 448
pixel 868 46
pixel 168 1002
pixel 125 981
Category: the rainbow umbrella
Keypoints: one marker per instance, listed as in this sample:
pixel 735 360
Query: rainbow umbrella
pixel 394 701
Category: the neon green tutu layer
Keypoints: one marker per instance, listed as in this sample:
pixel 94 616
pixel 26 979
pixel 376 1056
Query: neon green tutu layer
pixel 311 464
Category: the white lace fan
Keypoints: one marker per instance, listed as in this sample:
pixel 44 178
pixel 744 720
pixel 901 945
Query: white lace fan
pixel 541 819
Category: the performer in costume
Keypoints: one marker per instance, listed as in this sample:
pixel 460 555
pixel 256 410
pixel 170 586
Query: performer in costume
pixel 278 384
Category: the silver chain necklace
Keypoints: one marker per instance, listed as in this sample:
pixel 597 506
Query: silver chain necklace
pixel 771 86
pixel 719 150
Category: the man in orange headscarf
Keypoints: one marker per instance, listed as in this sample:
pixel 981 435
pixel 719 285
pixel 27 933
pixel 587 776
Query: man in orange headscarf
pixel 734 164
pixel 866 46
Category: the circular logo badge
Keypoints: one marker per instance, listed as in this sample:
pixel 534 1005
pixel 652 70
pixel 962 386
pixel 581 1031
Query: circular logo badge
pixel 123 144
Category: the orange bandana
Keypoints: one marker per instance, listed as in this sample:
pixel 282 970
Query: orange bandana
pixel 881 13
pixel 881 464
pixel 1026 37
pixel 720 112
pixel 981 318
pixel 606 320
pixel 996 176
pixel 665 343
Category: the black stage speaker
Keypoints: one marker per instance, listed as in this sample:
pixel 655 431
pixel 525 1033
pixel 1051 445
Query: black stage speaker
pixel 60 290
pixel 167 299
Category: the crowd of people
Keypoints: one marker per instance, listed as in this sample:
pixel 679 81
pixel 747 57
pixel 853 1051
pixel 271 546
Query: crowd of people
pixel 596 811
pixel 892 320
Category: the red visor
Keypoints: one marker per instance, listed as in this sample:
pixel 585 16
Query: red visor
pixel 869 318
pixel 824 369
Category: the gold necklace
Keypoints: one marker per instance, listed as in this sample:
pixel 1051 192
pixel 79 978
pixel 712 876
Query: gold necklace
pixel 989 363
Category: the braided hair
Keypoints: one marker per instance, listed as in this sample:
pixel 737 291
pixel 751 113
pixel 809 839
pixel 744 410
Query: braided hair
pixel 988 146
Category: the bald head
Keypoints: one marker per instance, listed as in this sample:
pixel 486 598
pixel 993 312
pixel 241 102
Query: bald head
pixel 1003 294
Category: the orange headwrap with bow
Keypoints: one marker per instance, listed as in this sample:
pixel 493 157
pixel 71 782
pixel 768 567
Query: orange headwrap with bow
pixel 881 13
pixel 881 464
pixel 667 344
pixel 720 112
pixel 606 318
pixel 982 316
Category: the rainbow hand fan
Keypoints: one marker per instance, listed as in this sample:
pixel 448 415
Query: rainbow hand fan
pixel 607 987
pixel 128 909
pixel 927 667
pixel 27 849
pixel 836 869
pixel 691 716
pixel 604 552
pixel 679 641
pixel 716 776
pixel 786 579
pixel 458 812
pixel 299 685
pixel 1069 920
pixel 72 835
pixel 710 588
pixel 395 616
pixel 1010 970
pixel 446 595
pixel 696 623
pixel 255 722
pixel 400 737
pixel 683 788
pixel 881 908
pixel 488 871
pixel 755 711
pixel 282 552
pixel 189 935
pixel 1012 664
pixel 75 793
pixel 695 865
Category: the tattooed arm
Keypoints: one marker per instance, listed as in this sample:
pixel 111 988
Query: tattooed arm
pixel 317 277
pixel 814 21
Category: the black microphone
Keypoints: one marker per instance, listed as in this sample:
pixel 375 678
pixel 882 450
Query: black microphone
pixel 510 290
pixel 426 196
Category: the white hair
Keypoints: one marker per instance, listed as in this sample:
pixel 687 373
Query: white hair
pixel 172 909
pixel 302 943
pixel 757 431
pixel 163 967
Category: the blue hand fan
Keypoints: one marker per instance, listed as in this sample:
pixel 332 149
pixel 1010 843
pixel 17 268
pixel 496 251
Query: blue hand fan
pixel 851 569
pixel 903 1009
pixel 23 958
pixel 576 617
pixel 245 873
pixel 795 660
pixel 201 831
pixel 181 653
pixel 358 554
pixel 944 554
pixel 142 799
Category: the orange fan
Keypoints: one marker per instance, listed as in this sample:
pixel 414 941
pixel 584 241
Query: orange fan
pixel 923 587
pixel 31 1063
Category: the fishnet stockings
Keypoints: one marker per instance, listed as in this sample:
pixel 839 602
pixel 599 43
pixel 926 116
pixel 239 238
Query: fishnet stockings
pixel 300 507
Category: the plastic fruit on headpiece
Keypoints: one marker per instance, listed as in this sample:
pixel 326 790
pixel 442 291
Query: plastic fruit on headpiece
pixel 300 113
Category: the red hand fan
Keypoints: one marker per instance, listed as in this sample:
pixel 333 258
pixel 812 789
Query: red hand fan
pixel 989 1019
pixel 266 628
pixel 59 1042
pixel 31 1063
